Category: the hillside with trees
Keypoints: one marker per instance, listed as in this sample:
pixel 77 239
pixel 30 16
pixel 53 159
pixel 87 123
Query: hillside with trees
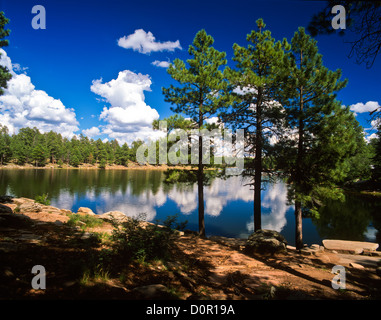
pixel 30 146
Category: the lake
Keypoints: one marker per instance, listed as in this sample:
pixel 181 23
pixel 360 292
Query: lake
pixel 228 203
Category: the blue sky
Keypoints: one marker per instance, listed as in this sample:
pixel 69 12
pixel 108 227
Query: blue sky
pixel 73 77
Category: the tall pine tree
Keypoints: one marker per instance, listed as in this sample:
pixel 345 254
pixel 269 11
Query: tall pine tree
pixel 5 76
pixel 253 89
pixel 198 95
pixel 309 96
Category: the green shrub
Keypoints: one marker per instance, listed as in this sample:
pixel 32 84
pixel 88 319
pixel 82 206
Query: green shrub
pixel 133 241
pixel 84 221
pixel 171 223
pixel 43 199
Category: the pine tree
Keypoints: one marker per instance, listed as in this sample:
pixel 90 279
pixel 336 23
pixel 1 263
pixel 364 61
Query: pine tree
pixel 54 145
pixel 376 172
pixel 22 144
pixel 5 76
pixel 39 154
pixel 309 96
pixel 5 140
pixel 75 155
pixel 253 89
pixel 122 155
pixel 198 95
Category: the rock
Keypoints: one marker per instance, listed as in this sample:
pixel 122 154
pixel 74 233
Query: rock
pixel 86 235
pixel 317 248
pixel 84 211
pixel 307 252
pixel 66 212
pixel 265 242
pixel 378 271
pixel 152 291
pixel 372 253
pixel 179 232
pixel 234 243
pixel 314 249
pixel 322 258
pixel 30 206
pixel 51 209
pixel 115 216
pixel 5 210
pixel 356 265
pixel 351 246
pixel 272 292
pixel 20 201
pixel 6 199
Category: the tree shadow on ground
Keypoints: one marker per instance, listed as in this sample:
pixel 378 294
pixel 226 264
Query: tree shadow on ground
pixel 318 276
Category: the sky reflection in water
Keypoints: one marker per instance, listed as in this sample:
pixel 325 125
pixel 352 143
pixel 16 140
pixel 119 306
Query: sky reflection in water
pixel 228 203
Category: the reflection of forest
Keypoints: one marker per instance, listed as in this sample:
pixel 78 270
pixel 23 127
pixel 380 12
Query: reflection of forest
pixel 350 220
pixel 31 182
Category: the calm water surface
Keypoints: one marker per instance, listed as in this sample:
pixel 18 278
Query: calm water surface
pixel 228 203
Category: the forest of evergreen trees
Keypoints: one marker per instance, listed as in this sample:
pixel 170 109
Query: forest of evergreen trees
pixel 31 146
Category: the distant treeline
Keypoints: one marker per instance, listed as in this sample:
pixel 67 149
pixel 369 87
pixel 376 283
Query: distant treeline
pixel 31 146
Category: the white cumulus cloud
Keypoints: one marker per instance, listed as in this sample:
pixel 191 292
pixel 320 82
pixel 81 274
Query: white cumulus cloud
pixel 24 106
pixel 370 137
pixel 92 132
pixel 161 64
pixel 145 42
pixel 367 107
pixel 129 117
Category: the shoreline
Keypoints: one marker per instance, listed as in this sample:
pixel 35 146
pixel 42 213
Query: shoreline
pixel 94 167
pixel 374 194
pixel 235 242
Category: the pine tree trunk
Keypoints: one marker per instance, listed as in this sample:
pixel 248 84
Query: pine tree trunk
pixel 298 187
pixel 200 182
pixel 299 177
pixel 258 165
pixel 201 221
pixel 298 226
pixel 257 183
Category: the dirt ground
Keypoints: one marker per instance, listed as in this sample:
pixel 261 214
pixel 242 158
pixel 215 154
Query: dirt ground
pixel 197 268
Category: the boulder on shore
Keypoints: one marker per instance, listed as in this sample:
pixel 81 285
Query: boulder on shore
pixel 5 209
pixel 6 199
pixel 84 211
pixel 30 206
pixel 356 247
pixel 265 242
pixel 115 216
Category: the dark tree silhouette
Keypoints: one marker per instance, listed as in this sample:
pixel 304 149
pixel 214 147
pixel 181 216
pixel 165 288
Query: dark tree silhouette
pixel 363 19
